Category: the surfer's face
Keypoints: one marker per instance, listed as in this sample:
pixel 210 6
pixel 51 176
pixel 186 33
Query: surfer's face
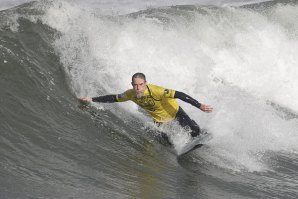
pixel 139 86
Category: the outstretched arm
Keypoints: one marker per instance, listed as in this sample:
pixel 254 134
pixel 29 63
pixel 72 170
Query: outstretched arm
pixel 186 98
pixel 104 99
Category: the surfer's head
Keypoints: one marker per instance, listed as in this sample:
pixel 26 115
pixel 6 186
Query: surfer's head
pixel 138 82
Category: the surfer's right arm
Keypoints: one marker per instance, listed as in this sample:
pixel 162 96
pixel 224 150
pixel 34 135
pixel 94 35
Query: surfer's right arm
pixel 104 99
pixel 107 98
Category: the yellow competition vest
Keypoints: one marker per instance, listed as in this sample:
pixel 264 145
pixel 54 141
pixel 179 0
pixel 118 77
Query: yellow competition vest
pixel 157 101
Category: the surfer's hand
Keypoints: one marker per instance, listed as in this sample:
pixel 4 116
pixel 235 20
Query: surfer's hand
pixel 206 108
pixel 85 100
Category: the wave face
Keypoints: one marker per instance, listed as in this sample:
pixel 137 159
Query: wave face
pixel 241 60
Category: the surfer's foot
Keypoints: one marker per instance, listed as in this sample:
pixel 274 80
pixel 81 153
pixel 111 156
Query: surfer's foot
pixel 202 133
pixel 165 138
pixel 195 134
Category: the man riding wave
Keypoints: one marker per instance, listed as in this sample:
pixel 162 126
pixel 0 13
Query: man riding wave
pixel 159 102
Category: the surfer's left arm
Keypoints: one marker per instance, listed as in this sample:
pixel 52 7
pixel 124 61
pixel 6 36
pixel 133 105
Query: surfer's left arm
pixel 186 98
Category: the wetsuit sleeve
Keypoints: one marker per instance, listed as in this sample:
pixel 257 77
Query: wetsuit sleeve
pixel 123 97
pixel 186 98
pixel 113 98
pixel 105 99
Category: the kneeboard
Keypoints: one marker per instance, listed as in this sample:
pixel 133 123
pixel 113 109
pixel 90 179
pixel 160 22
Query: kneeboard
pixel 195 143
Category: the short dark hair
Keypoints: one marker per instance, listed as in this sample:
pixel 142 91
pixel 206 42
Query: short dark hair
pixel 139 75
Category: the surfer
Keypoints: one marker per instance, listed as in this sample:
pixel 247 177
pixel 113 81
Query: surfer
pixel 159 102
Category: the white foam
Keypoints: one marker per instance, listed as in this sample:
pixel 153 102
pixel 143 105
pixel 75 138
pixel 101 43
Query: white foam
pixel 234 59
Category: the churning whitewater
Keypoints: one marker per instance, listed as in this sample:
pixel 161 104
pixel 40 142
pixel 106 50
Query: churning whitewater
pixel 240 59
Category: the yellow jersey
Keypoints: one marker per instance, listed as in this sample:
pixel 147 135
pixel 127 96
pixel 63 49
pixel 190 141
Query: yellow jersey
pixel 157 101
